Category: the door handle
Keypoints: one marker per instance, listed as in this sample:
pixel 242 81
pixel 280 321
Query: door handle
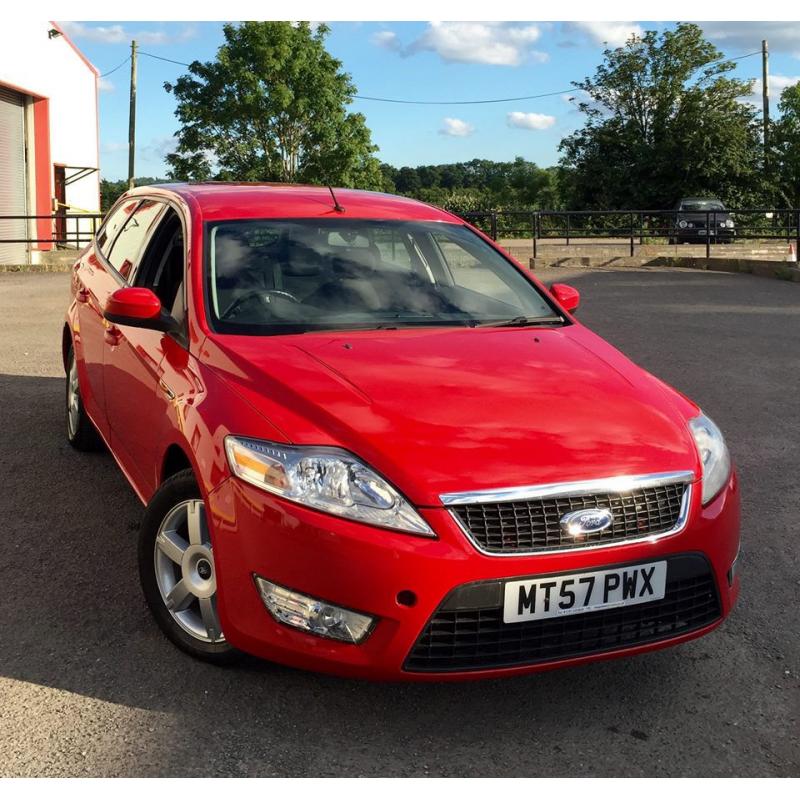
pixel 112 335
pixel 82 295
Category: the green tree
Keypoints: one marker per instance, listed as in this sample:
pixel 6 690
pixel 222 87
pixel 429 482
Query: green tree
pixel 272 106
pixel 663 120
pixel 408 181
pixel 785 140
pixel 111 190
pixel 479 185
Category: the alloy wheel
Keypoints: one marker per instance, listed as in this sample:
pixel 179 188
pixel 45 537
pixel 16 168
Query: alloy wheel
pixel 185 574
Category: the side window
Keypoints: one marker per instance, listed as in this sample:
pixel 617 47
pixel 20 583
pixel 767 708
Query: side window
pixel 127 247
pixel 112 226
pixel 162 265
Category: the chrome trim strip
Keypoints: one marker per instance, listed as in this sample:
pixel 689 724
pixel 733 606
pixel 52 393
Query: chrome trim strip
pixel 619 483
pixel 680 524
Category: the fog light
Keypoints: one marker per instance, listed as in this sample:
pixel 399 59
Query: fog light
pixel 312 615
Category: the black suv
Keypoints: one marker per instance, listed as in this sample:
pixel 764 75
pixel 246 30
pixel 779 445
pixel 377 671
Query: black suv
pixel 694 216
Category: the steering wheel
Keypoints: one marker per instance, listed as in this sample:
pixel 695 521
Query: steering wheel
pixel 260 294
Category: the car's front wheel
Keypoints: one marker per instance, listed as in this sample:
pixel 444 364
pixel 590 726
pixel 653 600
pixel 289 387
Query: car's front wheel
pixel 177 572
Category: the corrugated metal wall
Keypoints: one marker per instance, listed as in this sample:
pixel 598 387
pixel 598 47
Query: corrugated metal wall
pixel 12 176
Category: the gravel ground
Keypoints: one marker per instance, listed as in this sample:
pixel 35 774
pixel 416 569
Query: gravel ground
pixel 88 686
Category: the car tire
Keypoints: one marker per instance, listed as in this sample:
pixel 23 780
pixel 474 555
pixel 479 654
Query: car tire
pixel 176 570
pixel 81 432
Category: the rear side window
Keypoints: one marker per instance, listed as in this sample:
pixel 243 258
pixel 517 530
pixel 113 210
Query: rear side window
pixel 112 227
pixel 128 246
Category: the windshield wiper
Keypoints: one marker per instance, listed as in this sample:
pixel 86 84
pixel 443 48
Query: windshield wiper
pixel 520 322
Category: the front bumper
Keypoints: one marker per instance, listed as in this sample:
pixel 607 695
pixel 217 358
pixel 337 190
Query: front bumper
pixel 377 571
pixel 698 235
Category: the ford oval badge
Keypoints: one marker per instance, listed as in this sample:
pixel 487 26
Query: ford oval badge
pixel 586 521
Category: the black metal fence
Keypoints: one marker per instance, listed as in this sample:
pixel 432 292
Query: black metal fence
pixel 65 229
pixel 623 228
pixel 639 227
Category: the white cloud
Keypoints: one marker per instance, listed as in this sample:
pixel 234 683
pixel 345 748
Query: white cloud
pixel 455 127
pixel 117 34
pixel 738 38
pixel 159 148
pixel 530 121
pixel 497 43
pixel 105 85
pixel 777 83
pixel 388 40
pixel 614 34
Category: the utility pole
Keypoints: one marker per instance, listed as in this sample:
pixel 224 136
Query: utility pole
pixel 132 118
pixel 765 93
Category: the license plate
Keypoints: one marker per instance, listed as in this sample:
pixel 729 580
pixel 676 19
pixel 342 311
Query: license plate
pixel 580 593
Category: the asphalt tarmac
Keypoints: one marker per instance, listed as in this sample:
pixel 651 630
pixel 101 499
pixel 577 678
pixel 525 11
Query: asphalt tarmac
pixel 88 685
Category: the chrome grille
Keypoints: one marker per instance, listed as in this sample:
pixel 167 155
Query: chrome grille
pixel 533 525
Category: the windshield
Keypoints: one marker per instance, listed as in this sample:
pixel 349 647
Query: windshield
pixel 288 276
pixel 702 205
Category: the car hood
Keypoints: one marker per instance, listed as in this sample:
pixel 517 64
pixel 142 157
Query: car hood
pixel 450 410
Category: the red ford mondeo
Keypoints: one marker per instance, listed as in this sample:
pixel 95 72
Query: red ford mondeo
pixel 371 443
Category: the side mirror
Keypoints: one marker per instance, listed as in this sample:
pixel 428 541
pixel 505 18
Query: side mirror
pixel 139 308
pixel 567 296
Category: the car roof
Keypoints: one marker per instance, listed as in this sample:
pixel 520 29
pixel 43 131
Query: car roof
pixel 220 201
pixel 699 199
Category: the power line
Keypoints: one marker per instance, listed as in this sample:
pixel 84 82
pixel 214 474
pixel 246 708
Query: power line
pixel 390 100
pixel 105 74
pixel 161 58
pixel 459 102
pixel 451 102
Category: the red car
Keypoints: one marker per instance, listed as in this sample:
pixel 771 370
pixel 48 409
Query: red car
pixel 370 443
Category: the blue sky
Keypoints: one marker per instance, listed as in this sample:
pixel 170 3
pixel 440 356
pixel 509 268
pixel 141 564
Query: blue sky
pixel 412 60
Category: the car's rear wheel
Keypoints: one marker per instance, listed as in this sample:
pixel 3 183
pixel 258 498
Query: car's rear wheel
pixel 177 571
pixel 81 433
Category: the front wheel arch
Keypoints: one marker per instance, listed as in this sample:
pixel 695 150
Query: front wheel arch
pixel 175 460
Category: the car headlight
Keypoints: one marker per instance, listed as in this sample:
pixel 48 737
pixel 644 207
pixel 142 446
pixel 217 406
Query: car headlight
pixel 324 478
pixel 714 456
pixel 683 223
pixel 728 223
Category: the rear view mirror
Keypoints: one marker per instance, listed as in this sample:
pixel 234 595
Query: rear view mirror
pixel 567 296
pixel 139 308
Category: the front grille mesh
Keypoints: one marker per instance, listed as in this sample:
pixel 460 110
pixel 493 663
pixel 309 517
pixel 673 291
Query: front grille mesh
pixel 478 638
pixel 534 525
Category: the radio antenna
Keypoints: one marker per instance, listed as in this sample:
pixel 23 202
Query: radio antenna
pixel 336 206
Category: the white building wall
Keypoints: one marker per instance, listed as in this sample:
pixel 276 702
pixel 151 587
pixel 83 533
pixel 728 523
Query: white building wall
pixel 32 62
